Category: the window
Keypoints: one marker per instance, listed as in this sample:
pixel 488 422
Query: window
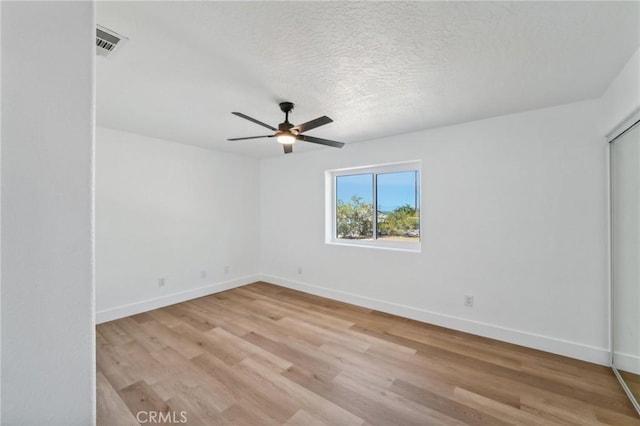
pixel 375 206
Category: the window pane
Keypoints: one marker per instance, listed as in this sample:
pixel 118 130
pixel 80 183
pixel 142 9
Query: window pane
pixel 398 206
pixel 354 206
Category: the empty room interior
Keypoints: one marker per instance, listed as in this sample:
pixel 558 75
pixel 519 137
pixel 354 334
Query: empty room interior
pixel 320 213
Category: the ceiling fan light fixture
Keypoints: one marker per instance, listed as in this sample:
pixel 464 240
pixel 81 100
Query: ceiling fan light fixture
pixel 287 133
pixel 286 138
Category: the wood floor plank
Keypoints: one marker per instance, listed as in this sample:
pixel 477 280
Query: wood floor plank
pixel 195 411
pixel 139 397
pixel 171 338
pixel 244 349
pixel 142 365
pixel 350 399
pixel 114 334
pixel 496 409
pixel 320 408
pixel 240 320
pixel 164 318
pixel 445 404
pixel 296 353
pixel 119 370
pixel 110 408
pixel 633 382
pixel 295 309
pixel 414 332
pixel 188 315
pixel 246 413
pixel 302 418
pixel 267 355
pixel 141 318
pixel 324 334
pixel 412 413
pixel 134 330
pixel 191 382
pixel 263 396
pixel 614 418
pixel 218 314
pixel 554 410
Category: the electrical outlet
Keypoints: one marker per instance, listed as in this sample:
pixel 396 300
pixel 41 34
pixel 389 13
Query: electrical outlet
pixel 299 270
pixel 226 269
pixel 203 274
pixel 468 300
pixel 161 282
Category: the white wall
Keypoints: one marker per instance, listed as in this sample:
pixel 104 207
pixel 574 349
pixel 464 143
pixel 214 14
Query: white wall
pixel 169 210
pixel 48 351
pixel 0 218
pixel 514 213
pixel 621 100
pixel 620 109
pixel 625 261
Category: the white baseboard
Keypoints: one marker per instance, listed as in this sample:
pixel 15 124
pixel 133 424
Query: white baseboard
pixel 170 299
pixel 627 362
pixel 531 340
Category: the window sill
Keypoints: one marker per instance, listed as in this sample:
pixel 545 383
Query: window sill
pixel 406 247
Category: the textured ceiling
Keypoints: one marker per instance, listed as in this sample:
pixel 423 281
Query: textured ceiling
pixel 377 69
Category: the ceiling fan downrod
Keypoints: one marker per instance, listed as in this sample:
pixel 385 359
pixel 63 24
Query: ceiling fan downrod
pixel 286 107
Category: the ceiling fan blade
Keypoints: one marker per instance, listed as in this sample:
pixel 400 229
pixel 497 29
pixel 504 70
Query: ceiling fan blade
pixel 320 121
pixel 320 141
pixel 288 148
pixel 246 117
pixel 251 137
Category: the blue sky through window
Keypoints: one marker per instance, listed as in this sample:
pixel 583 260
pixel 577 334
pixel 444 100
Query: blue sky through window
pixel 359 185
pixel 394 189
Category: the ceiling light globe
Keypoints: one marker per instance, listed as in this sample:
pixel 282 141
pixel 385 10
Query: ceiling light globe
pixel 286 138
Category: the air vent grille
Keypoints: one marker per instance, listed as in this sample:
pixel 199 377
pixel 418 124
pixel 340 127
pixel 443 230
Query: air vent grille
pixel 107 40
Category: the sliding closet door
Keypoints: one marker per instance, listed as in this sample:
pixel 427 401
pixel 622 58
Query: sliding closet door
pixel 625 262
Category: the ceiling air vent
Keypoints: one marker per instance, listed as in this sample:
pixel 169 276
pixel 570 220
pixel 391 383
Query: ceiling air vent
pixel 107 40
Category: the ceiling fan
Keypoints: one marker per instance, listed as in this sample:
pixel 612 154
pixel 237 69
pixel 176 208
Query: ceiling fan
pixel 287 133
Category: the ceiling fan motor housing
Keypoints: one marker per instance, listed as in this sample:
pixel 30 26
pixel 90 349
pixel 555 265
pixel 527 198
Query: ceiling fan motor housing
pixel 286 107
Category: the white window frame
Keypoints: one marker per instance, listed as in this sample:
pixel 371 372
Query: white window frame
pixel 330 206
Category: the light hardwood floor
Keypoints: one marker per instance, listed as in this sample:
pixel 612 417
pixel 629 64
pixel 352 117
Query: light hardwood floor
pixel 632 381
pixel 266 355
